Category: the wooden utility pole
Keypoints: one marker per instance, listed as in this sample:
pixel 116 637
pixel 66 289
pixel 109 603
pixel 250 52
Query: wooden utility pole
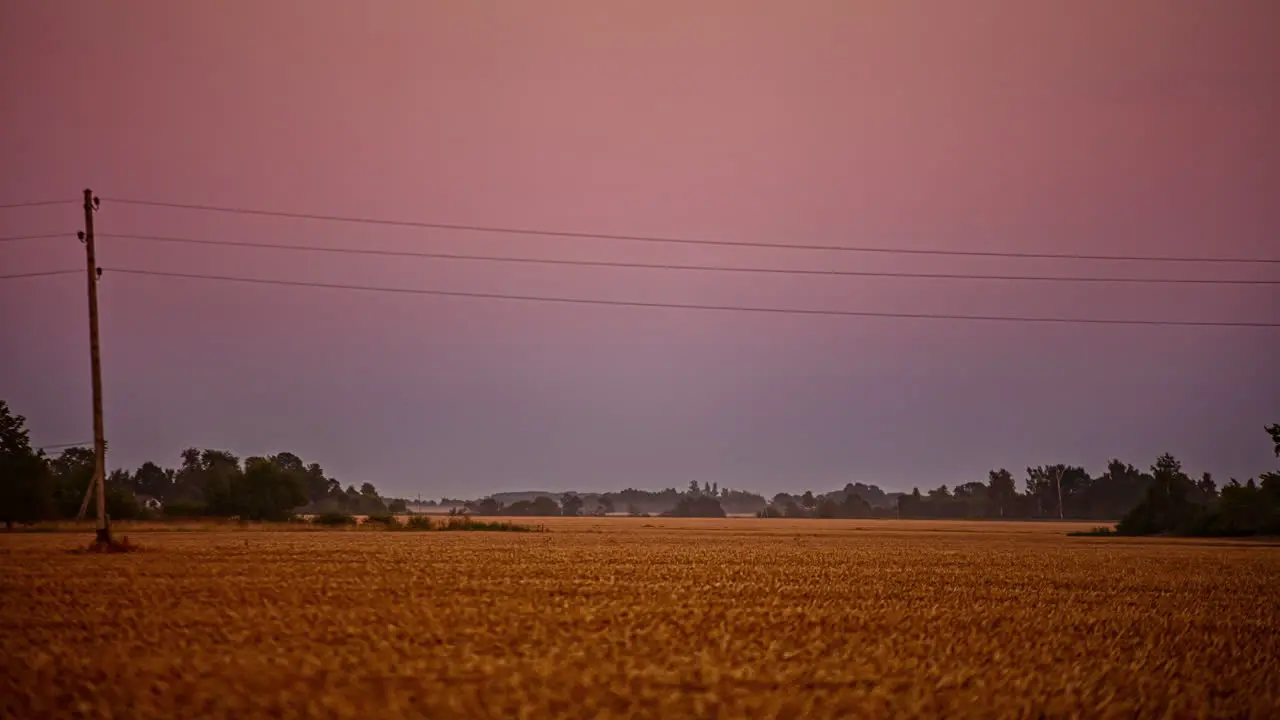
pixel 98 483
pixel 1061 515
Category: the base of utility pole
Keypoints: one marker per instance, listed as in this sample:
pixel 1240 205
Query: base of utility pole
pixel 104 534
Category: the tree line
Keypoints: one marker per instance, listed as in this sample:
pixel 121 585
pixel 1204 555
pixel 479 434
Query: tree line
pixel 1162 499
pixel 707 500
pixel 1176 505
pixel 36 487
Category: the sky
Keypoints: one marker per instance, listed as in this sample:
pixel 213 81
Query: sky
pixel 1092 127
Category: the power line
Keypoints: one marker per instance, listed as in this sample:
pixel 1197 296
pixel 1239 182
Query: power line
pixel 60 446
pixel 44 273
pixel 697 268
pixel 36 203
pixel 683 306
pixel 15 238
pixel 683 241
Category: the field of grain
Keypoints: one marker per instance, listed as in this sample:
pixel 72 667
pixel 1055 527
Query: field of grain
pixel 641 618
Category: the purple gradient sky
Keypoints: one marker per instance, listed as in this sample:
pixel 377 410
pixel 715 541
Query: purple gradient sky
pixel 1136 127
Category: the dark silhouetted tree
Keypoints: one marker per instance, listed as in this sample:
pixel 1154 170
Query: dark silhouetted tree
pixel 151 479
pixel 72 472
pixel 1002 491
pixel 544 506
pixel 698 506
pixel 26 487
pixel 267 490
pixel 571 504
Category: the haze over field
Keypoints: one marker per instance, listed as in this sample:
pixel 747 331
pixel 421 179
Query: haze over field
pixel 1084 127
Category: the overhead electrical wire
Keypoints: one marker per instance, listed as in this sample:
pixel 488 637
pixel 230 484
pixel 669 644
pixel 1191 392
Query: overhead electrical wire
pixel 35 203
pixel 667 266
pixel 686 267
pixel 690 306
pixel 60 446
pixel 45 236
pixel 41 273
pixel 683 241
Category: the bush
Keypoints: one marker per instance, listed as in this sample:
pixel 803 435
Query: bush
pixel 483 525
pixel 385 519
pixel 417 522
pixel 461 522
pixel 333 519
pixel 1094 532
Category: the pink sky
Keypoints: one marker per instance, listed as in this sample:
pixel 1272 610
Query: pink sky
pixel 1141 127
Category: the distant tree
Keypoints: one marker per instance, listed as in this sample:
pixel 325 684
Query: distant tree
pixel 693 487
pixel 26 487
pixel 398 506
pixel 855 506
pixel 1167 507
pixel 121 503
pixel 571 503
pixel 544 506
pixel 807 500
pixel 874 496
pixel 741 501
pixel 1206 489
pixel 715 489
pixel 850 506
pixel 151 479
pixel 207 477
pixel 698 506
pixel 488 506
pixel 911 505
pixel 606 504
pixel 72 473
pixel 826 507
pixel 318 486
pixel 1114 493
pixel 1274 431
pixel 541 506
pixel 1047 484
pixel 288 462
pixel 368 490
pixel 268 490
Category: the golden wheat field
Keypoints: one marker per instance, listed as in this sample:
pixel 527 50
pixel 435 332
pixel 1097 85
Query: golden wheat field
pixel 655 618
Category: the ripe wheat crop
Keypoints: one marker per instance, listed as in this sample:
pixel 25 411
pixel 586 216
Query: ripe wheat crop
pixel 642 618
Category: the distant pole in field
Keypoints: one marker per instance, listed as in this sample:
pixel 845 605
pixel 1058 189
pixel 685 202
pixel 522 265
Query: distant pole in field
pixel 1059 484
pixel 98 483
